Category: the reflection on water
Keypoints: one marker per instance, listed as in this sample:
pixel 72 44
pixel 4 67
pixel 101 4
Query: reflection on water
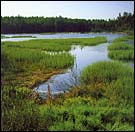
pixel 83 57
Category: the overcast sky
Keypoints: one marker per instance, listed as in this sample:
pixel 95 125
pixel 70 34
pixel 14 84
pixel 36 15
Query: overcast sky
pixel 70 9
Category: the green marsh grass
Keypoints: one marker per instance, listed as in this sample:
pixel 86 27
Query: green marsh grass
pixel 103 102
pixel 120 50
pixel 25 57
pixel 42 59
pixel 24 66
pixel 120 46
pixel 114 111
pixel 107 79
pixel 56 44
pixel 129 37
pixel 121 54
pixel 105 72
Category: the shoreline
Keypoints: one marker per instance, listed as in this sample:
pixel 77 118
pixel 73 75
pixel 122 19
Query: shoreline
pixel 50 33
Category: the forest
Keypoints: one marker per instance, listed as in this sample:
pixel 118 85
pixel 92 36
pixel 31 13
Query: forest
pixel 19 24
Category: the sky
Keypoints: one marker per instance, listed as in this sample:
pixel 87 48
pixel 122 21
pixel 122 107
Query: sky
pixel 70 9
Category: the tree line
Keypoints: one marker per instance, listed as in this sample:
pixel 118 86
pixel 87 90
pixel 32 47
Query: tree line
pixel 19 24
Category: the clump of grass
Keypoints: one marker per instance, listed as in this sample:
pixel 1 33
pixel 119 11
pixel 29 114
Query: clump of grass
pixel 121 54
pixel 32 64
pixel 105 72
pixel 119 50
pixel 129 37
pixel 120 46
pixel 38 58
pixel 121 91
pixel 56 44
pixel 39 44
pixel 111 79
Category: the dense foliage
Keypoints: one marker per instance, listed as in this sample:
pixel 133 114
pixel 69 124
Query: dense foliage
pixel 21 24
pixel 101 104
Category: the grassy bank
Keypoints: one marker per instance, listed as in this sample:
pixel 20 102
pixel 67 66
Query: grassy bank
pixel 104 102
pixel 122 39
pixel 56 44
pixel 24 67
pixel 107 77
pixel 121 50
pixel 27 63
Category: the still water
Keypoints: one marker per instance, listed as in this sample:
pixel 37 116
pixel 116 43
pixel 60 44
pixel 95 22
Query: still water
pixel 83 57
pixel 109 36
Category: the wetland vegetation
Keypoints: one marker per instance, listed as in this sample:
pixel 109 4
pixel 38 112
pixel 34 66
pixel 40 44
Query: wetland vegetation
pixel 28 58
pixel 103 102
pixel 56 44
pixel 121 50
pixel 104 98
